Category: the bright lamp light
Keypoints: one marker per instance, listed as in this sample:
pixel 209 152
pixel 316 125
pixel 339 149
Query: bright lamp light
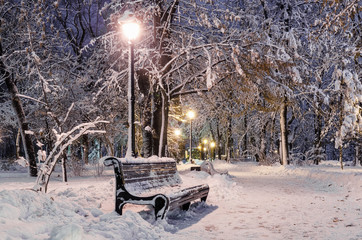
pixel 191 114
pixel 131 30
pixel 177 132
pixel 212 144
pixel 205 141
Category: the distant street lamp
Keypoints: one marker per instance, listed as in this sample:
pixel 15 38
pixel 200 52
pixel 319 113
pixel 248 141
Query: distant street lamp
pixel 131 30
pixel 191 115
pixel 177 132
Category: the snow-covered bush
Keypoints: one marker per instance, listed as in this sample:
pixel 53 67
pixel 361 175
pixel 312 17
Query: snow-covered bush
pixel 312 156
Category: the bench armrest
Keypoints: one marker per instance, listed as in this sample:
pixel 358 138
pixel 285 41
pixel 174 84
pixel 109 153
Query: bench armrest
pixel 115 162
pixel 109 161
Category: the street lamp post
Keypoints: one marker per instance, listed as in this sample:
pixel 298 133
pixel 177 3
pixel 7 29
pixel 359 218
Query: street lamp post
pixel 190 115
pixel 205 148
pixel 212 152
pixel 131 29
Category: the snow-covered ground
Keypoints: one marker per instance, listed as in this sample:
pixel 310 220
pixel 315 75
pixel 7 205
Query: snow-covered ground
pixel 252 202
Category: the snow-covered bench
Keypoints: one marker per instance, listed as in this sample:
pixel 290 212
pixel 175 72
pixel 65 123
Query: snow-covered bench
pixel 208 167
pixel 143 175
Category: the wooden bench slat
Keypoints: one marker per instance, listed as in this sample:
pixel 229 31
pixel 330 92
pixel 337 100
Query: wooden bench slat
pixel 148 168
pixel 158 171
pixel 183 201
pixel 130 174
pixel 147 177
pixel 163 181
pixel 149 165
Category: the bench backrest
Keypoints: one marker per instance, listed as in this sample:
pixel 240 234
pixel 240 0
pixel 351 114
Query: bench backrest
pixel 142 174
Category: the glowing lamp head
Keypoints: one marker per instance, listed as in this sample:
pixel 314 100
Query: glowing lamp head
pixel 205 141
pixel 191 114
pixel 177 132
pixel 212 144
pixel 131 30
pixel 205 149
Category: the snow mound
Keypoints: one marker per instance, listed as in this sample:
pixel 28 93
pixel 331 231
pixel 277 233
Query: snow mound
pixel 28 204
pixel 252 202
pixel 71 232
pixel 32 215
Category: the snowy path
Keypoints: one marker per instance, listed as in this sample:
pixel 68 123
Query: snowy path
pixel 291 204
pixel 255 203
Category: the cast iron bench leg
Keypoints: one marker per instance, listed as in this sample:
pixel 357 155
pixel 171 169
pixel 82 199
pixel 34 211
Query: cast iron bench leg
pixel 186 206
pixel 161 206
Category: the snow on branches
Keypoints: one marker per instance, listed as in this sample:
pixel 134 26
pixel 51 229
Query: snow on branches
pixel 63 141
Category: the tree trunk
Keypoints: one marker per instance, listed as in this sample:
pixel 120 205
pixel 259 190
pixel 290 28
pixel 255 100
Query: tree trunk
pixel 147 140
pixel 245 138
pixel 64 167
pixel 284 132
pixel 274 142
pixel 146 112
pixel 357 158
pixel 263 143
pixel 20 114
pixel 164 127
pixel 340 127
pixel 341 146
pixel 100 148
pixel 109 146
pixel 156 121
pixel 48 138
pixel 161 23
pixel 229 140
pixel 18 144
pixel 341 156
pixel 218 139
pixel 317 136
pixel 318 126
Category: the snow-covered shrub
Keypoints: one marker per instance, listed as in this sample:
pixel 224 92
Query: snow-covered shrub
pixel 313 155
pixel 75 165
pixel 98 169
pixel 269 159
pixel 7 165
